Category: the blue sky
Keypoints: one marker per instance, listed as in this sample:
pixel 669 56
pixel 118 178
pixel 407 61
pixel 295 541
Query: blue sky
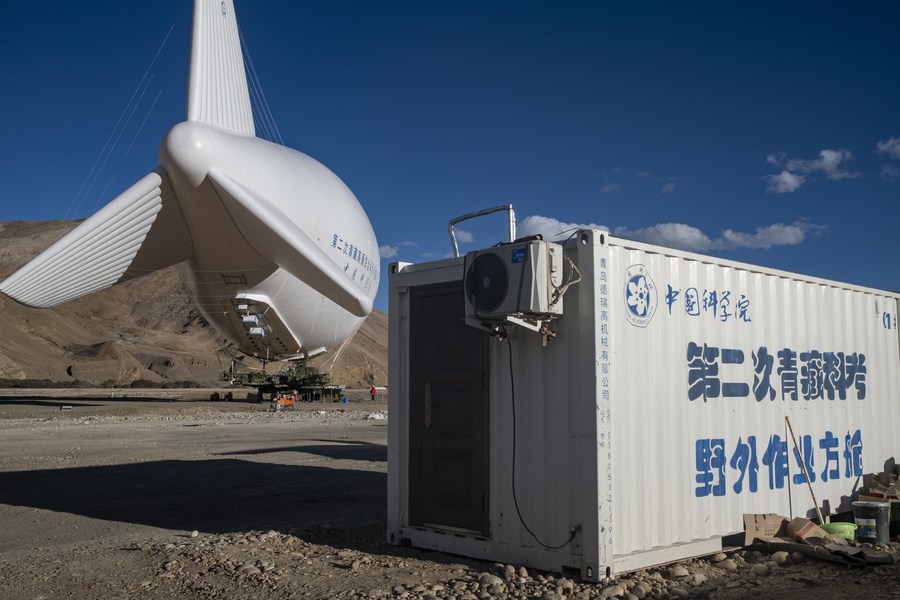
pixel 762 132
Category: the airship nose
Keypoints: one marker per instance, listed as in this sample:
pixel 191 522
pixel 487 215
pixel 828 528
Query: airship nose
pixel 187 149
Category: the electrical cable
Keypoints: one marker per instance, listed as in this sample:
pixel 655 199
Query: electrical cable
pixel 574 277
pixel 267 119
pixel 90 177
pixel 512 383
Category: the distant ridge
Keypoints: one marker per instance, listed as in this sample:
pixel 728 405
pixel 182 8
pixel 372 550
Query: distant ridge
pixel 146 330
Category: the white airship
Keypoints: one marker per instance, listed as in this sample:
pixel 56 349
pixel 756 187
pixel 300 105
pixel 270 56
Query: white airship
pixel 276 251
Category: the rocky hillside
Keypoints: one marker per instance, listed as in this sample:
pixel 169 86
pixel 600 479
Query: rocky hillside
pixel 146 331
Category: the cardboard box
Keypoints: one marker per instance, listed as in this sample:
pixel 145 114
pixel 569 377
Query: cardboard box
pixel 764 526
pixel 807 532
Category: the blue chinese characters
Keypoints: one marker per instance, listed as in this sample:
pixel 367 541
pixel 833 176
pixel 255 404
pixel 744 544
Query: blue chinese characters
pixel 810 375
pixel 720 466
pixel 368 265
pixel 722 305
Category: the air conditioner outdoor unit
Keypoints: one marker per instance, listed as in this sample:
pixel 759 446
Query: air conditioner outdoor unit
pixel 514 279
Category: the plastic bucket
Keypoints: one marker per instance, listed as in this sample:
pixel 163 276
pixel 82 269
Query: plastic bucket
pixel 872 522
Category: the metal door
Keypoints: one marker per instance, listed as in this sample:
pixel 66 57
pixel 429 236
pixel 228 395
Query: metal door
pixel 448 413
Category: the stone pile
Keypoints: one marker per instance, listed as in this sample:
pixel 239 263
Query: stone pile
pixel 281 565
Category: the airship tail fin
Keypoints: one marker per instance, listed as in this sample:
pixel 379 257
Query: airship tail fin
pixel 217 90
pixel 142 230
pixel 275 236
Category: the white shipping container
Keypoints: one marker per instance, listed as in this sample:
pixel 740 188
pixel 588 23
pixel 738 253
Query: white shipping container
pixel 649 425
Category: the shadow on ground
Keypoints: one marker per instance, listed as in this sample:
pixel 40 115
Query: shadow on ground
pixel 337 449
pixel 213 496
pixel 37 401
pixel 343 508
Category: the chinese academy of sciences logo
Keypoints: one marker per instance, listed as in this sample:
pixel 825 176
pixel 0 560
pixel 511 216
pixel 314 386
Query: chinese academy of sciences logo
pixel 640 296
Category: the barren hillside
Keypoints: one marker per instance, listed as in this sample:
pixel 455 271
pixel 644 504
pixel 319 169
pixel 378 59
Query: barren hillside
pixel 145 330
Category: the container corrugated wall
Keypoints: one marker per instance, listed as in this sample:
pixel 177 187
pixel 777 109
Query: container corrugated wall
pixel 701 389
pixel 545 467
pixel 655 419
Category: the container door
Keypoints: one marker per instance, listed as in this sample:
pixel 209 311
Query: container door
pixel 448 452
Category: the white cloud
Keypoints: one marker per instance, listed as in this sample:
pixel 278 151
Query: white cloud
pixel 409 244
pixel 610 187
pixel 890 172
pixel 681 235
pixel 687 237
pixel 778 234
pixel 832 163
pixel 388 251
pixel 776 158
pixel 671 235
pixel 463 236
pixel 667 184
pixel 891 147
pixel 829 162
pixel 550 228
pixel 784 182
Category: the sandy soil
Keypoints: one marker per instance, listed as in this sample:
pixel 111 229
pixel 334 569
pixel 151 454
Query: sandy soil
pixel 160 497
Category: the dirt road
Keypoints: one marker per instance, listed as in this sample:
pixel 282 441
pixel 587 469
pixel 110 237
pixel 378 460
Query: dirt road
pixel 162 498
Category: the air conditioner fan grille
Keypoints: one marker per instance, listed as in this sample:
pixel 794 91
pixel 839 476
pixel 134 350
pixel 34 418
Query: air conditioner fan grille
pixel 487 282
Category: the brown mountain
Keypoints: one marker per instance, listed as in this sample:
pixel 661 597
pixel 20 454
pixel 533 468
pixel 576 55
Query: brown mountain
pixel 146 330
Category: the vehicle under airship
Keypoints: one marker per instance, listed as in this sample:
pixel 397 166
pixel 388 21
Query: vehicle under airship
pixel 275 249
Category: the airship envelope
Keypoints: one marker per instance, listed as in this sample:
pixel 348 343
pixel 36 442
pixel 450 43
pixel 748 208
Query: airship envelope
pixel 274 248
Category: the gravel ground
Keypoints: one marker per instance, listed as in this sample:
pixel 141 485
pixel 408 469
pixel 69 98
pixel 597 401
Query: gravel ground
pixel 156 497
